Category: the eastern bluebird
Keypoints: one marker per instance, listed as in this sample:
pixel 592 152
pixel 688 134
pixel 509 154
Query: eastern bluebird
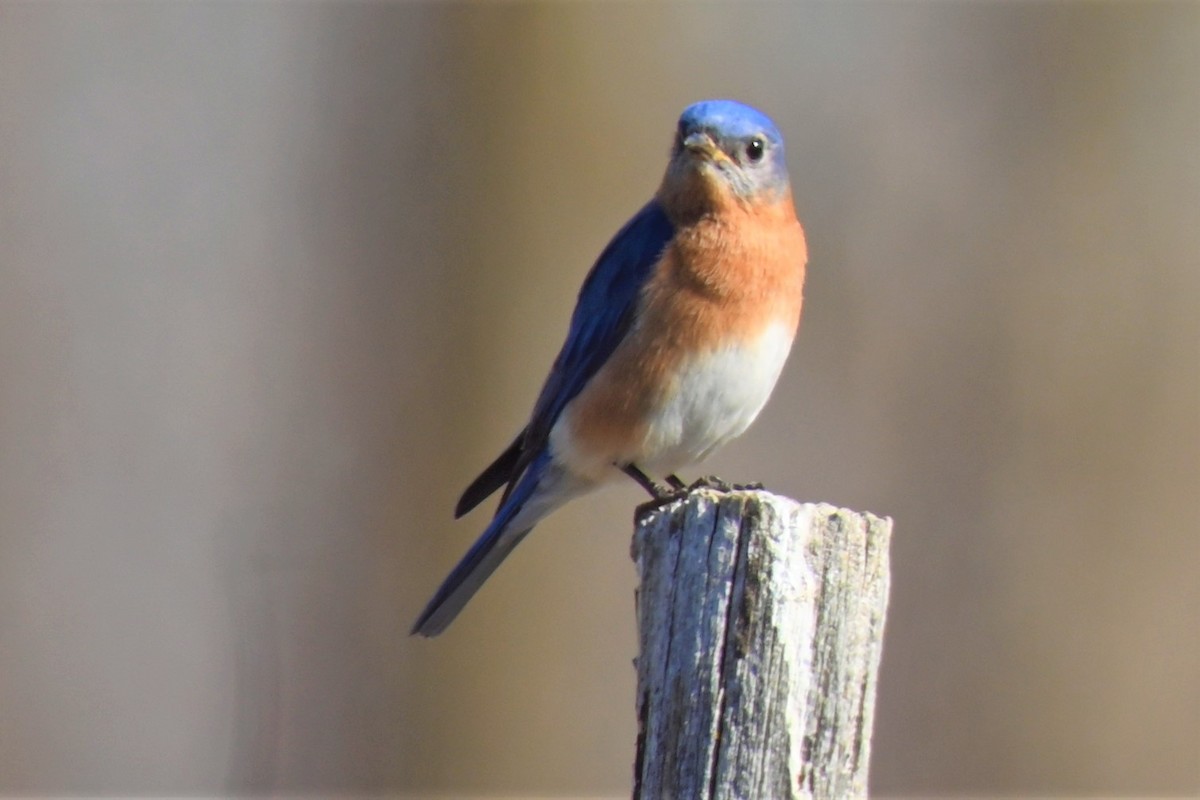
pixel 678 336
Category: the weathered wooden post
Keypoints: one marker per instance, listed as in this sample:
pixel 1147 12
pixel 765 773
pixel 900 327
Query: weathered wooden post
pixel 760 623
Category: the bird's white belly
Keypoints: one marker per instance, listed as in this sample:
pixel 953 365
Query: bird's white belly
pixel 714 399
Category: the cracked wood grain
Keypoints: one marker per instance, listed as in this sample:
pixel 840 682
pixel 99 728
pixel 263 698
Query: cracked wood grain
pixel 760 625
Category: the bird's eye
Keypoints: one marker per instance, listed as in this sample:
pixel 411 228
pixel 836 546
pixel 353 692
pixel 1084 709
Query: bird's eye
pixel 755 149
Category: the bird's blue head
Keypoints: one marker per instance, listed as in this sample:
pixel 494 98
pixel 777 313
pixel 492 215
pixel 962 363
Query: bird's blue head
pixel 727 149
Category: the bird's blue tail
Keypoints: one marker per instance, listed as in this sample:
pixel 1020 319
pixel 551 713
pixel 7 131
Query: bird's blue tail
pixel 536 494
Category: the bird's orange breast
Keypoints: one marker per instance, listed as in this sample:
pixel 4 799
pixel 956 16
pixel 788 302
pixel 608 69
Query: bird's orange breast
pixel 722 282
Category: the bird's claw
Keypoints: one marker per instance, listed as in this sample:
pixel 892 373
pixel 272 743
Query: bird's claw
pixel 680 490
pixel 713 482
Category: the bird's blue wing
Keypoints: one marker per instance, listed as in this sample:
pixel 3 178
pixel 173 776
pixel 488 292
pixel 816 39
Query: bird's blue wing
pixel 601 319
pixel 603 314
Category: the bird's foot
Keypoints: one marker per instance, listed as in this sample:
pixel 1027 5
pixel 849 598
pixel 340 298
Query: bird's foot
pixel 660 495
pixel 676 489
pixel 713 482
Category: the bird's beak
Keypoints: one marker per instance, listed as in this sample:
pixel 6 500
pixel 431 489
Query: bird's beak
pixel 702 144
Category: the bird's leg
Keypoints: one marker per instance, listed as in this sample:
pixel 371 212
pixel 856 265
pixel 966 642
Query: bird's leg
pixel 657 491
pixel 676 482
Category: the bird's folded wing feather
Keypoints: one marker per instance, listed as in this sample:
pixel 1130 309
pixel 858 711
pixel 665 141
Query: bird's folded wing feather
pixel 603 314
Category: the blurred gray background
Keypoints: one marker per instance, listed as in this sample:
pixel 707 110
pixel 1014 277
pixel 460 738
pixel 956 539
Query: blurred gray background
pixel 276 280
